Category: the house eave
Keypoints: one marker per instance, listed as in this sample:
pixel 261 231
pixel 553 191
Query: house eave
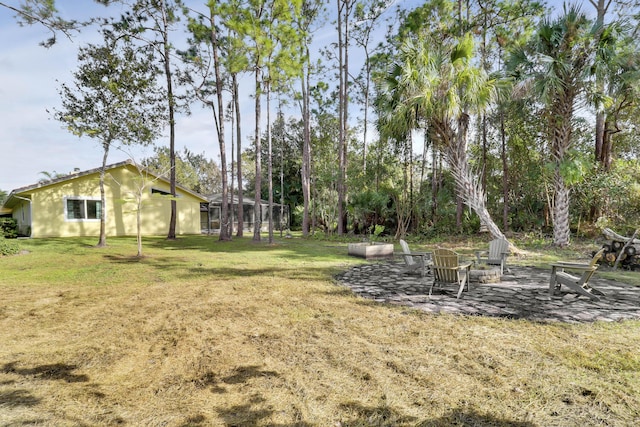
pixel 25 192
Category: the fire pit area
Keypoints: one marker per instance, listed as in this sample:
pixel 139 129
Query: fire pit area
pixel 370 250
pixel 484 274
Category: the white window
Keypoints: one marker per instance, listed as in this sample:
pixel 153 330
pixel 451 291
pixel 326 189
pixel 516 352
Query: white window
pixel 82 209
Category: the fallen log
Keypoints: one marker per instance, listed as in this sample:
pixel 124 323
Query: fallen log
pixel 612 235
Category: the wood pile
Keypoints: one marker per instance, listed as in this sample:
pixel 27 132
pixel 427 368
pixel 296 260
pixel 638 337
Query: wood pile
pixel 625 248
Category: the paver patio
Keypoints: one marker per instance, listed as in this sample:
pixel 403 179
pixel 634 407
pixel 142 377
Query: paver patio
pixel 522 294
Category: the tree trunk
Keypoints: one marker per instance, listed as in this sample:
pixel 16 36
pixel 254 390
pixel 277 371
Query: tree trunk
pixel 224 208
pixel 505 174
pixel 435 177
pixel 366 109
pixel 236 100
pixel 423 163
pixel 561 230
pixel 470 191
pixel 269 162
pixel 139 225
pixel 282 143
pixel 305 171
pixel 468 184
pixel 402 198
pixel 232 174
pixel 607 146
pixel 341 106
pixel 345 120
pixel 599 136
pixel 485 149
pixel 344 11
pixel 102 241
pixel 257 211
pixel 600 123
pixel 602 6
pixel 560 125
pixel 411 191
pixel 172 124
pixel 459 213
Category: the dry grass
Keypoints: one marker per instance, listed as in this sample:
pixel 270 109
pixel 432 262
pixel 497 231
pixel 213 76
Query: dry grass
pixel 240 334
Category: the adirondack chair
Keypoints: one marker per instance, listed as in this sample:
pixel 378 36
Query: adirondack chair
pixel 415 261
pixel 579 284
pixel 447 270
pixel 496 255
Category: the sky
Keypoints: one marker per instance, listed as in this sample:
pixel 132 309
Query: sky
pixel 33 143
pixel 31 140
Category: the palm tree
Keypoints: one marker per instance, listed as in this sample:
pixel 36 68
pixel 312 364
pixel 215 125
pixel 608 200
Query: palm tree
pixel 436 86
pixel 554 69
pixel 618 68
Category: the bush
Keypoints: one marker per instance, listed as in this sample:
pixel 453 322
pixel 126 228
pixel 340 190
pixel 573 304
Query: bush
pixel 8 228
pixel 8 247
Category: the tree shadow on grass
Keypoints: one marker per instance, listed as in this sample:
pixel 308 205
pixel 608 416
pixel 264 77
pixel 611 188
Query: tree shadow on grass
pixel 287 273
pixel 124 259
pixel 470 417
pixel 195 420
pixel 56 371
pixel 195 257
pixel 184 271
pixel 295 249
pixel 385 416
pixel 15 398
pixel 254 411
pixel 239 376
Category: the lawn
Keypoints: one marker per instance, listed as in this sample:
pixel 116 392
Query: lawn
pixel 206 333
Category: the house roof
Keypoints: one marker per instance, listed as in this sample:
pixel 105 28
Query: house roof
pixel 15 195
pixel 216 199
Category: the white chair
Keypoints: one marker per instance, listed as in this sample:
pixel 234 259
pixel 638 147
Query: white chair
pixel 579 284
pixel 415 261
pixel 496 255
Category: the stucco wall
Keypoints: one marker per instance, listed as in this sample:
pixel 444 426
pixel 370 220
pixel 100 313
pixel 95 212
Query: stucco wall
pixel 121 186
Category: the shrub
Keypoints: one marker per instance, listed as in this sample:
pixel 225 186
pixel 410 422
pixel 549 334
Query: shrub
pixel 8 247
pixel 8 228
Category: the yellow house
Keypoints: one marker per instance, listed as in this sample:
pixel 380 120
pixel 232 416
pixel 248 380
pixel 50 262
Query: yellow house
pixel 70 205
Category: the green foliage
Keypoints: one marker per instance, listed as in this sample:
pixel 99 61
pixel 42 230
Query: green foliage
pixel 193 171
pixel 441 218
pixel 376 231
pixel 614 194
pixel 8 227
pixel 114 97
pixel 573 168
pixel 554 69
pixel 529 215
pixel 286 141
pixel 432 16
pixel 8 247
pixel 44 12
pixel 368 208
